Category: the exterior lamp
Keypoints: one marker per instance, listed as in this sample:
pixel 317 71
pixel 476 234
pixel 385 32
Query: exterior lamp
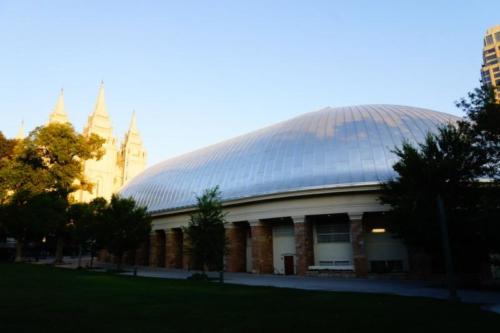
pixel 378 230
pixel 44 240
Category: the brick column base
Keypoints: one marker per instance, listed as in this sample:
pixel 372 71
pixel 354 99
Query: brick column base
pixel 262 248
pixel 304 249
pixel 358 245
pixel 142 254
pixel 173 248
pixel 153 250
pixel 236 259
pixel 186 246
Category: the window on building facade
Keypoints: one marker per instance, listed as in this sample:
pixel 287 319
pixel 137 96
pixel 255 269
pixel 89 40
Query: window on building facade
pixel 489 40
pixel 486 75
pixel 333 233
pixel 492 56
pixel 497 36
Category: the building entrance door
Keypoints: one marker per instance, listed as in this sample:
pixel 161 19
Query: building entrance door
pixel 288 261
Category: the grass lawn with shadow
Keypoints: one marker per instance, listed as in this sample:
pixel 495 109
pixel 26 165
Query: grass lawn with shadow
pixel 46 299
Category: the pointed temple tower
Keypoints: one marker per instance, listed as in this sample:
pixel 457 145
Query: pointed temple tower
pixel 59 115
pixel 116 167
pixel 20 134
pixel 110 173
pixel 133 156
pixel 102 173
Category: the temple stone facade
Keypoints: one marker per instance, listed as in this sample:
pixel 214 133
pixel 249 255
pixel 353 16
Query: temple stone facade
pixel 118 165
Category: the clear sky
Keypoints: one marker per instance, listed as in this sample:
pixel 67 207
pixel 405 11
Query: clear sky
pixel 198 72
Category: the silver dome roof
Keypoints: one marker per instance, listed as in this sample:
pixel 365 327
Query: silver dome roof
pixel 322 149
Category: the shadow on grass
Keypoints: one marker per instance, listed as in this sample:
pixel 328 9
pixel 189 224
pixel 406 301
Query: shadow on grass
pixel 40 298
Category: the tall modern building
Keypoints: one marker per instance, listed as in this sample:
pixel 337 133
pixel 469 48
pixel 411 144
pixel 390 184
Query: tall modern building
pixel 117 166
pixel 490 71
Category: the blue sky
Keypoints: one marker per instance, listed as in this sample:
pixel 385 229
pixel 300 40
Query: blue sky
pixel 198 72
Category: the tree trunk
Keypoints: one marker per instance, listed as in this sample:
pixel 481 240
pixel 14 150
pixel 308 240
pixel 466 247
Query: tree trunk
pixel 19 251
pixel 59 251
pixel 79 256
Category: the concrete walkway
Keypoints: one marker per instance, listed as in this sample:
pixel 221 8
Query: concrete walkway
pixel 490 300
pixel 377 286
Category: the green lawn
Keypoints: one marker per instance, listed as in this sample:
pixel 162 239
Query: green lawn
pixel 45 299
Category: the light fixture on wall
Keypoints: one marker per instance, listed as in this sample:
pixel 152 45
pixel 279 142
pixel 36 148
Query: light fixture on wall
pixel 378 230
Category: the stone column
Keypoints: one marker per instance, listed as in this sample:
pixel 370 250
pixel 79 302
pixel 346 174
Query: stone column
pixel 236 259
pixel 304 249
pixel 173 248
pixel 186 245
pixel 358 245
pixel 161 248
pixel 153 249
pixel 262 247
pixel 141 255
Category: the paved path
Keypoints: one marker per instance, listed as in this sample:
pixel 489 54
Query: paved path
pixel 491 300
pixel 379 286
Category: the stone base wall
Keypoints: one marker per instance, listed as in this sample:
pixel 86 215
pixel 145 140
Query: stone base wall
pixel 236 259
pixel 262 249
pixel 186 258
pixel 173 248
pixel 358 247
pixel 304 247
pixel 154 248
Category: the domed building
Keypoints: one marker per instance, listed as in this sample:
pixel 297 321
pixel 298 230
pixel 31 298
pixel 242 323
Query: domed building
pixel 300 196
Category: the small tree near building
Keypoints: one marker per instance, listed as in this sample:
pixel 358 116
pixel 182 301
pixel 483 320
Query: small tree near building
pixel 28 217
pixel 124 227
pixel 85 219
pixel 206 233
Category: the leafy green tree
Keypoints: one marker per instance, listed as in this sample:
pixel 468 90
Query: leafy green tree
pixel 60 151
pixel 98 208
pixel 6 152
pixel 18 221
pixel 50 160
pixel 6 148
pixel 124 227
pixel 449 164
pixel 206 233
pixel 483 112
pixel 27 217
pixel 80 219
pixel 84 219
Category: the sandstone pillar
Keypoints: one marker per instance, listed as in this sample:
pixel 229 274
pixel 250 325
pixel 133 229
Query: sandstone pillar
pixel 358 245
pixel 304 249
pixel 173 248
pixel 157 242
pixel 186 247
pixel 236 259
pixel 142 255
pixel 262 248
